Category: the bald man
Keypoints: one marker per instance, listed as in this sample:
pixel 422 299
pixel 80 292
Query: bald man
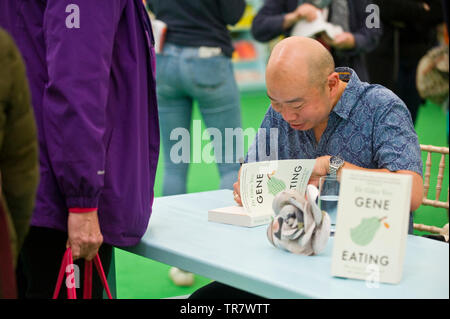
pixel 330 115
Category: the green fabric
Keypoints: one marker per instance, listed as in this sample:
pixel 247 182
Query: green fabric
pixel 18 143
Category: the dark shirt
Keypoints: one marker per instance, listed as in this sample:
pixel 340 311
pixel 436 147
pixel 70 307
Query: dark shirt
pixel 416 27
pixel 199 22
pixel 268 24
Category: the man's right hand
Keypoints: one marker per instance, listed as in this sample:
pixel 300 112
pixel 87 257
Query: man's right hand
pixel 304 11
pixel 237 190
pixel 307 11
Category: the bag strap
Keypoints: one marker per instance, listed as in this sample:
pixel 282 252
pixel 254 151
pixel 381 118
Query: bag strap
pixel 87 287
pixel 62 270
pixel 67 261
pixel 101 272
pixel 87 293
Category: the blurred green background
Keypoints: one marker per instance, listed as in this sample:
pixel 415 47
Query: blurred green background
pixel 138 277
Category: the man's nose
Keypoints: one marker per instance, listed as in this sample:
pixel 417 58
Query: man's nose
pixel 288 114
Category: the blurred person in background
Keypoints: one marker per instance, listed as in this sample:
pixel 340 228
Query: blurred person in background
pixel 19 166
pixel 90 67
pixel 409 31
pixel 195 65
pixel 278 17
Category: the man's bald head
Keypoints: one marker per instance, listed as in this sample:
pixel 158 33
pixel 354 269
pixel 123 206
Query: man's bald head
pixel 301 60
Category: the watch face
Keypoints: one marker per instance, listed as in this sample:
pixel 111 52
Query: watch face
pixel 336 161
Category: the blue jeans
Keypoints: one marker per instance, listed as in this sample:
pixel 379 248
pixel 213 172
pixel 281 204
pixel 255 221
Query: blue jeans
pixel 182 78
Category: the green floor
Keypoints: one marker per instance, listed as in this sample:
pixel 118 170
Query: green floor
pixel 138 277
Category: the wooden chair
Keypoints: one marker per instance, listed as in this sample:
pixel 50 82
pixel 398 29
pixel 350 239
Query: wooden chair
pixel 434 202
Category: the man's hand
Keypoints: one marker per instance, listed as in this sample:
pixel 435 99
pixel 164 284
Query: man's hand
pixel 237 190
pixel 85 237
pixel 320 169
pixel 305 11
pixel 344 41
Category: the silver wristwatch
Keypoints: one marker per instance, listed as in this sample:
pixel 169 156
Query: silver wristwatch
pixel 335 164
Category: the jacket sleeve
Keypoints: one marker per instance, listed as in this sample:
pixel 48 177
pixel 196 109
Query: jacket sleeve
pixel 19 147
pixel 268 22
pixel 232 10
pixel 75 97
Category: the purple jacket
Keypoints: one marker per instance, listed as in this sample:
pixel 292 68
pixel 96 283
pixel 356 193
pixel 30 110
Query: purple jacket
pixel 93 93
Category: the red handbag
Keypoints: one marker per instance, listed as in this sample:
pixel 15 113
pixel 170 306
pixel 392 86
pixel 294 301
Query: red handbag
pixel 87 289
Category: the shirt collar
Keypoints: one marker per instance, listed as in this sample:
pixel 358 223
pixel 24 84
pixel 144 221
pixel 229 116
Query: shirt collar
pixel 351 93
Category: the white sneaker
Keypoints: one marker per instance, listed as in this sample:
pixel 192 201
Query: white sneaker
pixel 180 277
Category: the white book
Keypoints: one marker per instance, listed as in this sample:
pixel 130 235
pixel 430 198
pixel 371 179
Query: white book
pixel 372 226
pixel 237 215
pixel 260 182
pixel 304 28
pixel 159 32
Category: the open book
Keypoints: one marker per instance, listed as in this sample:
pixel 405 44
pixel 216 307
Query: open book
pixel 303 28
pixel 260 182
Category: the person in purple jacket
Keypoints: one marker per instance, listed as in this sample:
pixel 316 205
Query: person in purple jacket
pixel 91 67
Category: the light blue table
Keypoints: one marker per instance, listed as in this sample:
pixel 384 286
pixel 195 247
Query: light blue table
pixel 179 234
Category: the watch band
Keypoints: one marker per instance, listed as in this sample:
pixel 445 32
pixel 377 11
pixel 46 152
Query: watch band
pixel 333 171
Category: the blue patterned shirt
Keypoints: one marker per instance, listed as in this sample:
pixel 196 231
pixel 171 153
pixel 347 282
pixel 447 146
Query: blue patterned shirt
pixel 369 127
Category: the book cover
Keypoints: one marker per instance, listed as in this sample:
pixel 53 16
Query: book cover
pixel 260 182
pixel 372 226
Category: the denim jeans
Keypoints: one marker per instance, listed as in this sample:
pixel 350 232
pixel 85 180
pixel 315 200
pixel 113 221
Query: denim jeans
pixel 182 78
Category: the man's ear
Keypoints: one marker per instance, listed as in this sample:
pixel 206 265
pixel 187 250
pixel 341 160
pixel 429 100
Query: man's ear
pixel 333 83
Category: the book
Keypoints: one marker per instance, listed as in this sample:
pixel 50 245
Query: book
pixel 260 182
pixel 159 31
pixel 304 28
pixel 372 226
pixel 237 215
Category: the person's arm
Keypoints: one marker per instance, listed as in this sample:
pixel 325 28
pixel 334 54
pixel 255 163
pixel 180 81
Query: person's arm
pixel 274 19
pixel 74 110
pixel 322 165
pixel 269 22
pixel 19 165
pixel 362 39
pixel 232 10
pixel 265 146
pixel 395 147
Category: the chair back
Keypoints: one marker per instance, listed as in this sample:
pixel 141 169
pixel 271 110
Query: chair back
pixel 436 202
